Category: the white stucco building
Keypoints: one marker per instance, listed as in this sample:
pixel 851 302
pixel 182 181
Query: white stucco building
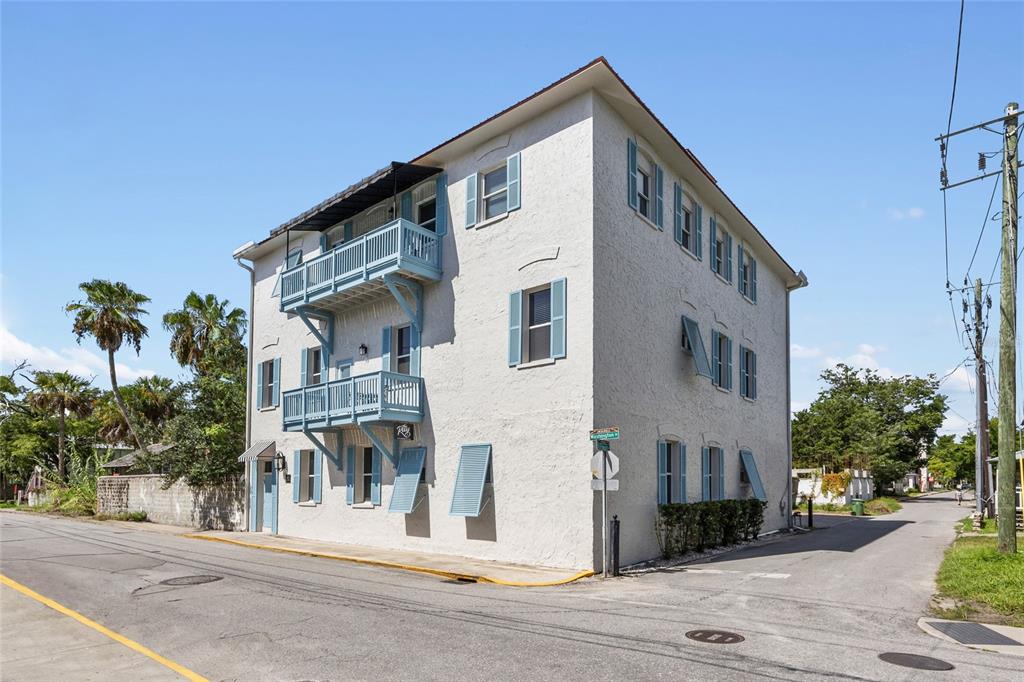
pixel 432 345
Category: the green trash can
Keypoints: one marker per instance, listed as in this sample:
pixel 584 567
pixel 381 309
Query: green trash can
pixel 858 507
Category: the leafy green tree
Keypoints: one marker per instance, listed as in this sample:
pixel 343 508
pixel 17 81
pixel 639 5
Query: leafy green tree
pixel 110 313
pixel 26 437
pixel 863 419
pixel 952 461
pixel 61 394
pixel 206 334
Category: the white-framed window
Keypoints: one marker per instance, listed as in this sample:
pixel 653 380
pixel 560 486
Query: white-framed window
pixel 721 360
pixel 688 236
pixel 343 369
pixel 671 472
pixel 747 274
pixel 267 380
pixel 718 252
pixel 537 324
pixel 403 350
pixel 645 186
pixel 306 475
pixel 748 373
pixel 494 192
pixel 315 367
pixel 366 475
pixel 426 214
pixel 714 475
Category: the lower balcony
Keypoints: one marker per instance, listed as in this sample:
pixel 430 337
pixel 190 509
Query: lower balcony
pixel 353 272
pixel 374 397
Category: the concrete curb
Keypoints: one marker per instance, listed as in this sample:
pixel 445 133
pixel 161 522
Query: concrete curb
pixel 452 575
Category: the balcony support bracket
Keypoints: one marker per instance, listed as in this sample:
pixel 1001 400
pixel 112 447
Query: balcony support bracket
pixel 322 444
pixel 307 315
pixel 414 310
pixel 379 444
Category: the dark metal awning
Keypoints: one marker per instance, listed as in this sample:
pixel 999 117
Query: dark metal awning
pixel 385 183
pixel 261 449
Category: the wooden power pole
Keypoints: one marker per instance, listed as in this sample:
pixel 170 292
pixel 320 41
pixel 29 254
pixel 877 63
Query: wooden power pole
pixel 983 494
pixel 1006 473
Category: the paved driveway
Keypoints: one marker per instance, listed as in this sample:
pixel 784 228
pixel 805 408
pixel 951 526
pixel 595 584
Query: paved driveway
pixel 813 607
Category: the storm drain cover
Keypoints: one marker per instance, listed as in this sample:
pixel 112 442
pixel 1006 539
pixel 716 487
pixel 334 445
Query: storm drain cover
pixel 191 580
pixel 915 661
pixel 459 581
pixel 714 636
pixel 972 633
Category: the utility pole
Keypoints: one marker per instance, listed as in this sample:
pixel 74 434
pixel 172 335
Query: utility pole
pixel 1006 473
pixel 982 492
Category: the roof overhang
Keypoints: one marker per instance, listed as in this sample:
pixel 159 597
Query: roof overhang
pixel 261 449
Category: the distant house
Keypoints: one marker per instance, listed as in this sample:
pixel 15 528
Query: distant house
pixel 127 464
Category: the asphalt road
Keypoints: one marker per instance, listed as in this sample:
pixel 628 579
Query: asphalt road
pixel 810 607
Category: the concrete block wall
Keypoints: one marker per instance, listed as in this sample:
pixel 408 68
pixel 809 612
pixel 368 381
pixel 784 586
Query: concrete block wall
pixel 220 508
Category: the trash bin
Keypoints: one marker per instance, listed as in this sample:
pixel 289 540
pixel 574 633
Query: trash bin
pixel 858 507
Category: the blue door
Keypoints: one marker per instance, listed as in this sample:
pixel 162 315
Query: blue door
pixel 269 506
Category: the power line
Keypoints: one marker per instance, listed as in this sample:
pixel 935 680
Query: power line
pixel 945 144
pixel 991 199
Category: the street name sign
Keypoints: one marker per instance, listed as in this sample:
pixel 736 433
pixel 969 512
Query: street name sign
pixel 610 433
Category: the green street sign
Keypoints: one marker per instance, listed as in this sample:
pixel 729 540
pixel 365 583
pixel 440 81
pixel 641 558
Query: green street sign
pixel 610 433
pixel 603 445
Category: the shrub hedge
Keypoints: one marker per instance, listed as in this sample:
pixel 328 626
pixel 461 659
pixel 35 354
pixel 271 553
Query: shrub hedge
pixel 698 525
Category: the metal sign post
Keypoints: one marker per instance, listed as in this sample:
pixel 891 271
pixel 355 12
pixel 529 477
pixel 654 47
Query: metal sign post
pixel 605 459
pixel 604 511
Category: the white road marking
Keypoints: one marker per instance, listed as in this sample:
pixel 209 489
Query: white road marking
pixel 717 571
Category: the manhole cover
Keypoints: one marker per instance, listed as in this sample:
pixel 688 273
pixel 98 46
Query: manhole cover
pixel 915 661
pixel 714 636
pixel 191 580
pixel 460 581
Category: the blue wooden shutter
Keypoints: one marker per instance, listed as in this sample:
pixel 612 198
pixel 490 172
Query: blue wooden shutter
pixel 705 473
pixel 740 271
pixel 375 478
pixel 716 359
pixel 659 202
pixel 385 349
pixel 441 204
pixel 515 328
pixel 471 183
pixel 318 469
pixel 254 485
pixel 296 474
pixel 743 371
pixel 414 350
pixel 512 175
pixel 347 231
pixel 728 256
pixel 273 502
pixel 350 474
pixel 474 461
pixel 631 173
pixel 558 318
pixel 700 356
pixel 677 212
pixel 324 243
pixel 407 480
pixel 728 364
pixel 752 372
pixel 750 466
pixel 260 383
pixel 405 205
pixel 698 212
pixel 303 364
pixel 276 386
pixel 682 473
pixel 662 472
pixel 721 473
pixel 713 243
pixel 753 280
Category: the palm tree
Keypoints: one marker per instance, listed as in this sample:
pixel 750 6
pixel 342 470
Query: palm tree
pixel 110 314
pixel 155 399
pixel 203 325
pixel 61 393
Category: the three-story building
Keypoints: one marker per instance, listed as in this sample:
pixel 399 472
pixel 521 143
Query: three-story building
pixel 432 345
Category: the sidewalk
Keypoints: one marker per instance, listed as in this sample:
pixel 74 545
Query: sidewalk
pixel 452 567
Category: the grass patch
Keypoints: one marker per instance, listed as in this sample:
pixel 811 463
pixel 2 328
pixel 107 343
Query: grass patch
pixel 882 505
pixel 137 516
pixel 988 526
pixel 985 584
pixel 8 504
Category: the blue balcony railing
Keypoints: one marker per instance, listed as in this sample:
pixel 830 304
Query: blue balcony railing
pixel 377 396
pixel 401 246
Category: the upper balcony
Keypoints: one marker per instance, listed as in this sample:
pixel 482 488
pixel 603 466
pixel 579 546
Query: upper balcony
pixel 354 271
pixel 374 397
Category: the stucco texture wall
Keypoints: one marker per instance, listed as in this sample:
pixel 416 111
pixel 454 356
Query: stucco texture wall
pixel 645 383
pixel 220 508
pixel 536 419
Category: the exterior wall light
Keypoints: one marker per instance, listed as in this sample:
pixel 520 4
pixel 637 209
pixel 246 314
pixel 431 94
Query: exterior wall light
pixel 363 350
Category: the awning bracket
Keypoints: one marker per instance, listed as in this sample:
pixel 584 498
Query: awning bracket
pixel 307 315
pixel 379 444
pixel 322 445
pixel 414 310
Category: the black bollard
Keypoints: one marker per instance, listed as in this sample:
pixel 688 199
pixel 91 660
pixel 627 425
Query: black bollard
pixel 810 512
pixel 615 545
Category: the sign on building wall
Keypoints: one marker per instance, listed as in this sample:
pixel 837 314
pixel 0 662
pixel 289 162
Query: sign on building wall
pixel 403 431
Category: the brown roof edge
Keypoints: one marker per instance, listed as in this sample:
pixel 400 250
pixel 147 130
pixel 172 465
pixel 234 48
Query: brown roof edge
pixel 693 157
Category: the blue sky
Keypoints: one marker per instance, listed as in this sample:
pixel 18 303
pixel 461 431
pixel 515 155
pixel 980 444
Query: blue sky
pixel 144 142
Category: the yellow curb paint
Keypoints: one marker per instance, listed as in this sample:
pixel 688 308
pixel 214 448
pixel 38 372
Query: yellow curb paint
pixel 121 639
pixel 390 564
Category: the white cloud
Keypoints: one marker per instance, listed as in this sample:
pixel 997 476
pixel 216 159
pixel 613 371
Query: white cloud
pixel 868 349
pixel 912 213
pixel 75 359
pixel 959 380
pixel 864 358
pixel 797 405
pixel 803 352
pixel 955 424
